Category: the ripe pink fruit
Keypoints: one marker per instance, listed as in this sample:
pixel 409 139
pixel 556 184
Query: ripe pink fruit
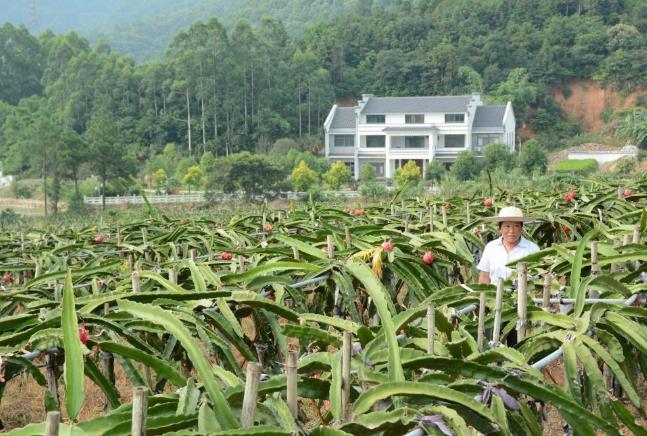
pixel 226 255
pixel 84 335
pixel 566 228
pixel 428 258
pixel 388 246
pixel 487 202
pixel 570 196
pixel 358 212
pixel 267 228
pixel 6 278
pixel 98 239
pixel 627 192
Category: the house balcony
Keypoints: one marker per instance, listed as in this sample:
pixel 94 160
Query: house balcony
pixel 372 151
pixel 404 152
pixel 341 151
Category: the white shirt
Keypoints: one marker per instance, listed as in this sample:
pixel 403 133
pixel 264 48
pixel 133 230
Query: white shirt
pixel 495 257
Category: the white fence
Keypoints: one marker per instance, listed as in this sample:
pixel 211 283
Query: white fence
pixel 138 199
pixel 200 198
pixel 604 156
pixel 21 203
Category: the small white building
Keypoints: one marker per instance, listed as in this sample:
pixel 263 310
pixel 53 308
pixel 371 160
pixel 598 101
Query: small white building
pixel 389 131
pixel 604 156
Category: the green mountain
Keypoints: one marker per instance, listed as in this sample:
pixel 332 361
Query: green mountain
pixel 144 28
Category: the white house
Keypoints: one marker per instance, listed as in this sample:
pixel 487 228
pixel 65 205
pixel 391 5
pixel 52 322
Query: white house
pixel 389 131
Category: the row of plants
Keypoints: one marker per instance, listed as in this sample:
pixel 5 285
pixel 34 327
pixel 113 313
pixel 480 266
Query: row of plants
pixel 184 305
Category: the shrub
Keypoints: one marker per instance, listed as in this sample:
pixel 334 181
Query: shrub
pixel 624 166
pixel 578 166
pixel 498 155
pixel 467 166
pixel 338 175
pixel 408 174
pixel 373 190
pixel 303 177
pixel 367 173
pixel 533 158
pixel 435 171
pixel 19 190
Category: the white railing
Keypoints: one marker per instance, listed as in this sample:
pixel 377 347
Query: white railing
pixel 21 203
pixel 200 198
pixel 138 199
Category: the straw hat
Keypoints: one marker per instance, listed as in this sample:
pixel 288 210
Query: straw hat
pixel 510 213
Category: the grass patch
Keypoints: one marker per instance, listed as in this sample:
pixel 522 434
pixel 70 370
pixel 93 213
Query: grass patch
pixel 578 166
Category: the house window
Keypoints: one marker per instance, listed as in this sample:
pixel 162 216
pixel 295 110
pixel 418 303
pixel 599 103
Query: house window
pixel 454 141
pixel 351 166
pixel 454 118
pixel 483 140
pixel 414 118
pixel 379 168
pixel 414 142
pixel 374 119
pixel 375 141
pixel 344 141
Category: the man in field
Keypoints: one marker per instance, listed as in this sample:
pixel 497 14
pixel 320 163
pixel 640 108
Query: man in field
pixel 509 247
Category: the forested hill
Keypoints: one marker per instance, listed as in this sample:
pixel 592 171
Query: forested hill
pixel 144 28
pixel 225 91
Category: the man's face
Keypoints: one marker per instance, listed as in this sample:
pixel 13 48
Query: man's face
pixel 511 231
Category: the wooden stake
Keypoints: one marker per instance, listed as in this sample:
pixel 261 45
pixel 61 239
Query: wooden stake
pixel 330 246
pixel 614 266
pixel 545 303
pixel 52 423
pixel 193 254
pixel 172 275
pixel 291 370
pixel 467 214
pixel 431 220
pixel 145 237
pixel 636 240
pixel 349 241
pixel 140 410
pixel 249 399
pixel 522 297
pixel 595 268
pixel 345 375
pixel 406 224
pixel 480 341
pixel 58 291
pixel 295 253
pixel 136 282
pixel 443 211
pixel 498 303
pixel 431 329
pixel 107 366
pixel 52 377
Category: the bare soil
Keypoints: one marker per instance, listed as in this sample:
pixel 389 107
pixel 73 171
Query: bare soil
pixel 586 101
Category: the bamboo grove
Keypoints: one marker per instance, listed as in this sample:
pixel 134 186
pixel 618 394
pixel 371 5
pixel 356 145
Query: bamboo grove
pixel 300 320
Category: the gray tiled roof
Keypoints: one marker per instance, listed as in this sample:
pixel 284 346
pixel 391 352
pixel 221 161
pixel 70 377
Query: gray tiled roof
pixel 488 116
pixel 344 118
pixel 384 105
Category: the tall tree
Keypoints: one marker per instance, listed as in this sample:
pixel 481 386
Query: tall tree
pixel 109 156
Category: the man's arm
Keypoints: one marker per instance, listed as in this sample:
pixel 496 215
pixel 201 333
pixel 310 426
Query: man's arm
pixel 484 277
